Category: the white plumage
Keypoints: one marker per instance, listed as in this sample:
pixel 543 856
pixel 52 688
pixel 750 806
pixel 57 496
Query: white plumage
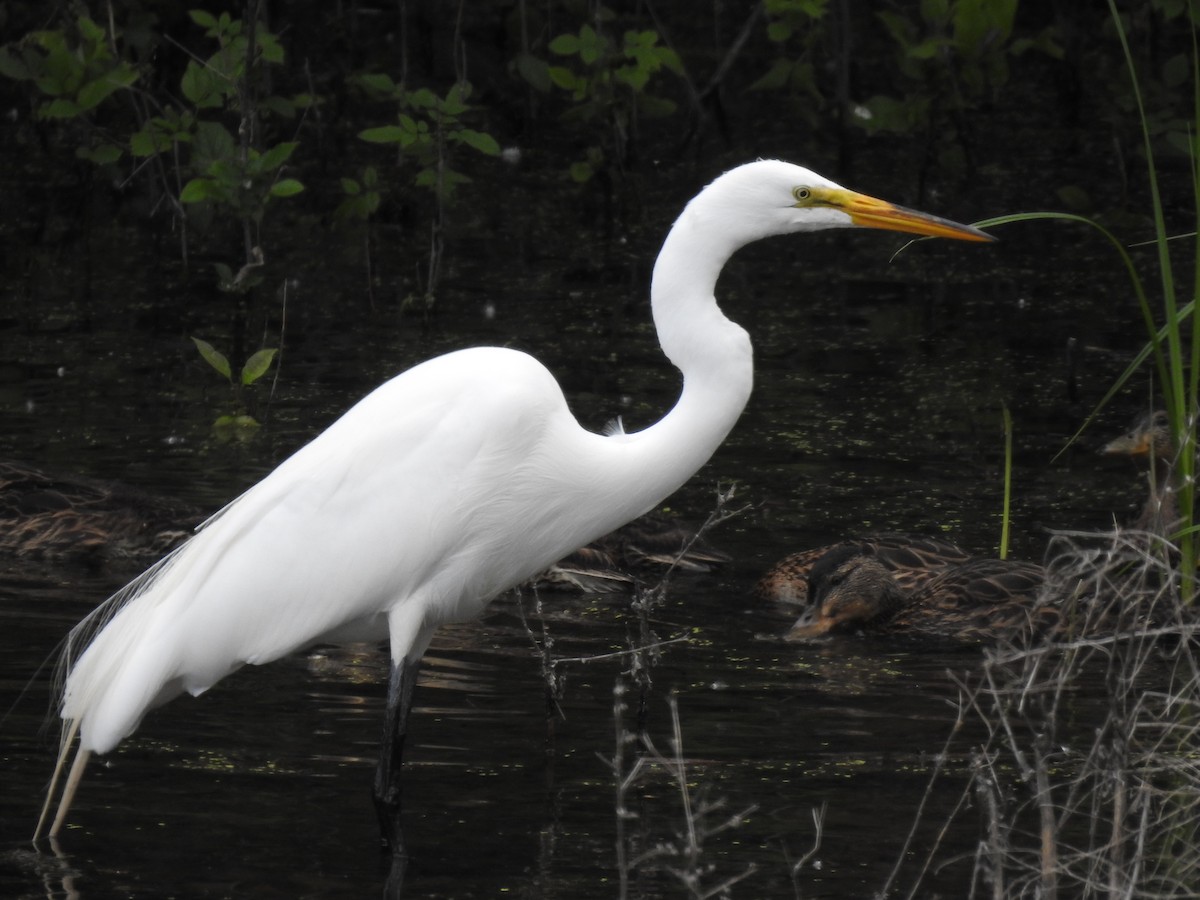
pixel 445 486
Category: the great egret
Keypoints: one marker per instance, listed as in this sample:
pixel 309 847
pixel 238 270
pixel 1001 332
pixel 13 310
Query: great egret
pixel 450 483
pixel 978 600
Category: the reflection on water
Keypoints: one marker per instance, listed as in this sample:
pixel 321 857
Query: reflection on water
pixel 262 786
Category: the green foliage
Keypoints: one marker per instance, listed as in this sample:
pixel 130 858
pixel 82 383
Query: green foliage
pixel 214 82
pixel 253 369
pixel 796 28
pixel 243 187
pixel 955 55
pixel 608 82
pixel 603 69
pixel 427 127
pixel 236 426
pixel 78 68
pixel 1162 102
pixel 226 172
pixel 361 197
pixel 74 68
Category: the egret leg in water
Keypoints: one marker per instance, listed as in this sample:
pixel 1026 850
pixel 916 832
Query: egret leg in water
pixel 401 682
pixel 451 483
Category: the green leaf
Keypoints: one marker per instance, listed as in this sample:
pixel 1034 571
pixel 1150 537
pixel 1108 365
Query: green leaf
pixel 203 18
pixel 213 357
pixel 213 143
pixel 384 134
pixel 50 86
pixel 90 31
pixel 379 82
pixel 104 155
pixel 422 98
pixel 61 108
pixel 482 142
pixel 670 60
pixel 565 45
pixel 241 428
pixel 779 32
pixel 535 71
pixel 581 172
pixel 198 190
pixel 277 156
pixel 927 49
pixel 286 187
pixel 94 92
pixel 455 103
pixel 635 77
pixel 564 78
pixel 591 45
pixel 269 47
pixel 257 365
pixel 201 86
pixel 351 187
pixel 224 173
pixel 360 207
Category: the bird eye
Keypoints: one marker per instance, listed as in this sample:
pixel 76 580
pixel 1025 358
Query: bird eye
pixel 802 194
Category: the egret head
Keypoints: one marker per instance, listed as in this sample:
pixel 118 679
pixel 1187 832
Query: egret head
pixel 770 197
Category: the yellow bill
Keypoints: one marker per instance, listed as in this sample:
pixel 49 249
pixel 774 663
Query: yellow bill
pixel 868 212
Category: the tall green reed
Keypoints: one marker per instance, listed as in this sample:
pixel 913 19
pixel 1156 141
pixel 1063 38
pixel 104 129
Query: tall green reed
pixel 1175 343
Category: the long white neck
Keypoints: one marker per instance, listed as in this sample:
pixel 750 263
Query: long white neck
pixel 713 353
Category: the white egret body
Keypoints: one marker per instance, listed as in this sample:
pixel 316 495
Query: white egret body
pixel 450 483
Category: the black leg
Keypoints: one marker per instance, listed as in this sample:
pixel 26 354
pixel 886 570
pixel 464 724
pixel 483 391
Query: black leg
pixel 391 751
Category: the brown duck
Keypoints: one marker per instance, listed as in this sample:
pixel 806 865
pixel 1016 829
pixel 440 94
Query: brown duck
pixel 69 518
pixel 978 600
pixel 912 560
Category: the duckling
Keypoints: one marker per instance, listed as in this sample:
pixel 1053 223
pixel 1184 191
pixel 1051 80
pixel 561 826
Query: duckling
pixel 60 518
pixel 1150 440
pixel 974 601
pixel 911 558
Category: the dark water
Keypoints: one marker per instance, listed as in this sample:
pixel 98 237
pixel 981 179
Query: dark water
pixel 878 406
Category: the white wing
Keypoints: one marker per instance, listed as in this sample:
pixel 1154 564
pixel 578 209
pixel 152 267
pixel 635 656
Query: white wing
pixel 395 505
